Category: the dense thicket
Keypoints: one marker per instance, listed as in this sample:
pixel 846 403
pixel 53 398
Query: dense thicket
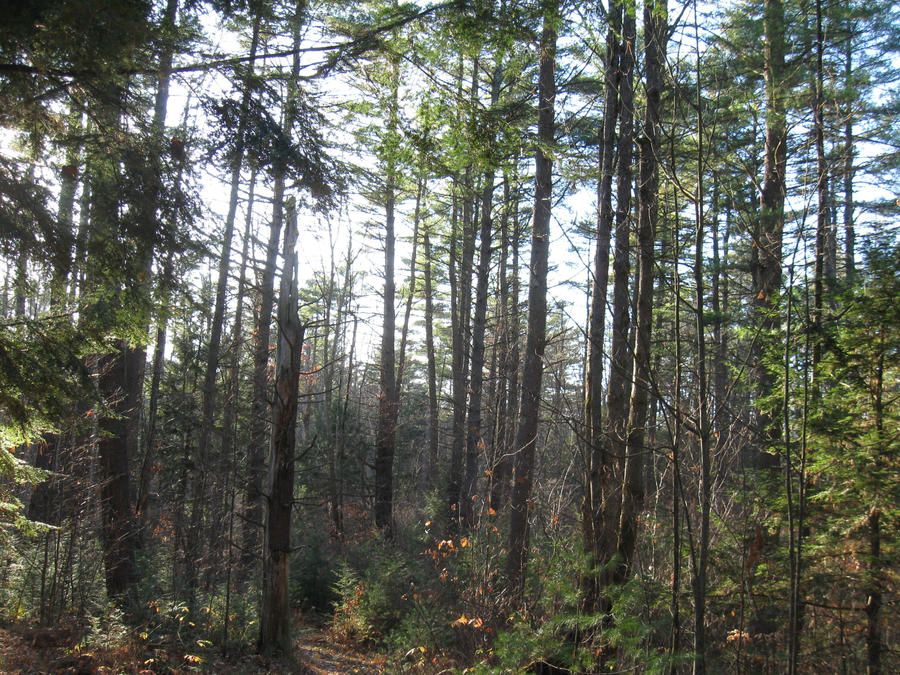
pixel 511 334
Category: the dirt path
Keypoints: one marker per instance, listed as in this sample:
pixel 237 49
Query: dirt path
pixel 320 655
pixel 30 651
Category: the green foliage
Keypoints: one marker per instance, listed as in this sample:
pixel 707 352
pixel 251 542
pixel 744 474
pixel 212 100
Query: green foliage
pixel 314 574
pixel 107 631
pixel 372 588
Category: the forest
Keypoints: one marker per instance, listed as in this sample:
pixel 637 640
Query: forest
pixel 464 336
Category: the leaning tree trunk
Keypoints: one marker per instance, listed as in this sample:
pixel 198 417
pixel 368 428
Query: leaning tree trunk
pixel 536 337
pixel 274 621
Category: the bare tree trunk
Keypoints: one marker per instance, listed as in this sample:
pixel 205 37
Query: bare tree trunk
pixel 874 596
pixel 462 321
pixel 146 472
pixel 274 622
pixel 498 449
pixel 598 460
pixel 231 403
pixel 529 409
pixel 824 271
pixel 509 367
pixel 260 407
pixel 389 397
pixel 703 487
pixel 620 354
pixel 475 441
pixel 118 533
pixel 433 422
pixel 404 329
pixel 765 257
pixel 655 20
pixel 202 470
pixel 849 229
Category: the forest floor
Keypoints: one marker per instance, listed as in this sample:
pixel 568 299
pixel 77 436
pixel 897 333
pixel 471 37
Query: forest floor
pixel 61 650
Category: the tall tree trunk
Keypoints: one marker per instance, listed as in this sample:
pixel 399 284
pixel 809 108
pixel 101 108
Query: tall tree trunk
pixel 275 619
pixel 824 271
pixel 704 488
pixel 111 368
pixel 432 429
pixel 474 439
pixel 655 21
pixel 207 421
pixel 620 354
pixel 389 397
pixel 121 370
pixel 146 472
pixel 873 595
pixel 536 337
pixel 115 491
pixel 498 449
pixel 507 428
pixel 475 444
pixel 598 459
pixel 849 229
pixel 462 321
pixel 404 329
pixel 765 257
pixel 260 407
pixel 232 397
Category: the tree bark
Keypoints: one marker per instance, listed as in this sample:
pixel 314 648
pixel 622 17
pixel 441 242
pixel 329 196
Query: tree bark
pixel 704 488
pixel 849 228
pixel 620 354
pixel 474 440
pixel 274 623
pixel 432 430
pixel 509 342
pixel 388 398
pixel 461 304
pixel 597 458
pixel 765 256
pixel 535 341
pixel 201 473
pixel 655 21
pixel 118 534
pixel 873 595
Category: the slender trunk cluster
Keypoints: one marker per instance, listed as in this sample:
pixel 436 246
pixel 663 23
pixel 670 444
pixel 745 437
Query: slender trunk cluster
pixel 597 499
